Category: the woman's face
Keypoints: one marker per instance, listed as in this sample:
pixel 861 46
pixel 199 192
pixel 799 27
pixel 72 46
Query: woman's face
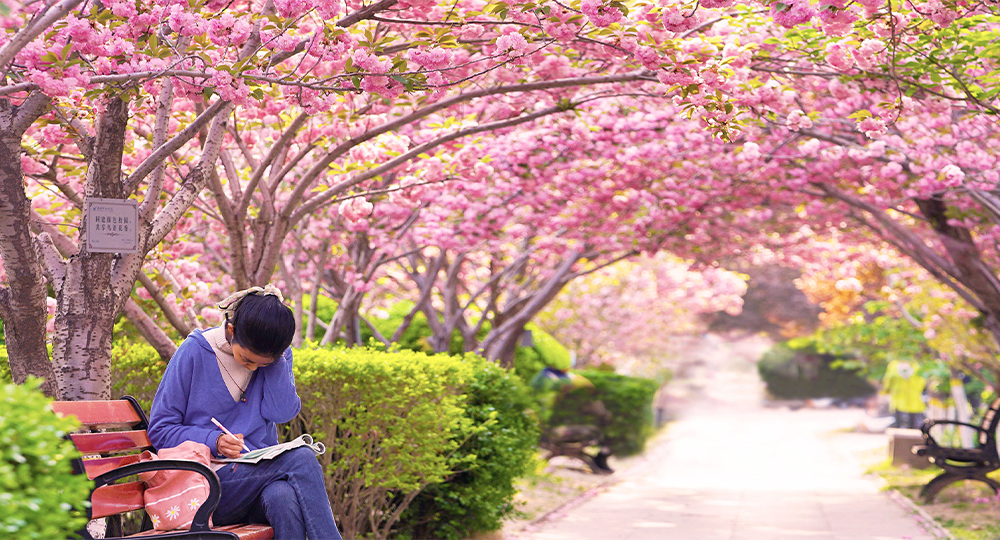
pixel 246 357
pixel 250 359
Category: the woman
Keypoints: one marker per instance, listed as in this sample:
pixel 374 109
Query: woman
pixel 241 374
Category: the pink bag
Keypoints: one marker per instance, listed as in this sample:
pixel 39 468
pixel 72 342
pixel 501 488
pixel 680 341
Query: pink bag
pixel 173 497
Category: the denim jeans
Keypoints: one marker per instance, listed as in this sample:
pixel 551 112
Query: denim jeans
pixel 287 492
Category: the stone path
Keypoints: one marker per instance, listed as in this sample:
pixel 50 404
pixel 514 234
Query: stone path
pixel 730 468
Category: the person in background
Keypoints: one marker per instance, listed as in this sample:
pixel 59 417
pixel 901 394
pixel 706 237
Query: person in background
pixel 241 374
pixel 906 394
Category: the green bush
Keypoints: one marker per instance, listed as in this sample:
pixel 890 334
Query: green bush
pixel 549 350
pixel 480 496
pixel 804 373
pixel 5 376
pixel 391 423
pixel 136 370
pixel 492 442
pixel 40 497
pixel 628 400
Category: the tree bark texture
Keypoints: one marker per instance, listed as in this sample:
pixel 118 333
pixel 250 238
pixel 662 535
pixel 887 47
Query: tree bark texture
pixel 87 303
pixel 22 303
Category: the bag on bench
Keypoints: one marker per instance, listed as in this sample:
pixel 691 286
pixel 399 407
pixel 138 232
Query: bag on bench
pixel 172 497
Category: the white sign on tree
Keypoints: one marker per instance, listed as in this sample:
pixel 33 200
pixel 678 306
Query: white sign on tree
pixel 112 225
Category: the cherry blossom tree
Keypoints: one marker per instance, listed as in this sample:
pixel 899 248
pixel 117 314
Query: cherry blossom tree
pixel 633 311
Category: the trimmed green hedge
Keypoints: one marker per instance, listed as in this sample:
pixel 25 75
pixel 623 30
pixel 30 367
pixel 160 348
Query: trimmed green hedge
pixel 40 497
pixel 629 400
pixel 805 373
pixel 391 423
pixel 480 496
pixel 136 370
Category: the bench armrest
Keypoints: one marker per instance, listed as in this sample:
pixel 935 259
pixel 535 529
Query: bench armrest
pixel 200 522
pixel 931 424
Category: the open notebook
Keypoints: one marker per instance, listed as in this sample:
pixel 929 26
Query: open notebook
pixel 272 451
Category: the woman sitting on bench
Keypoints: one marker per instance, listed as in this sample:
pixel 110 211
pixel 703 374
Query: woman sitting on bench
pixel 241 374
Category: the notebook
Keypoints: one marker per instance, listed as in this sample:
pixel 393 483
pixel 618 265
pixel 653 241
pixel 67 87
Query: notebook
pixel 273 451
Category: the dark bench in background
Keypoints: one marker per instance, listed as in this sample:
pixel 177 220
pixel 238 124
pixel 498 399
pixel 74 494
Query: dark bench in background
pixel 111 440
pixel 962 463
pixel 574 441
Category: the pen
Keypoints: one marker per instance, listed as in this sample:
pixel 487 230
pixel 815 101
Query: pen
pixel 227 432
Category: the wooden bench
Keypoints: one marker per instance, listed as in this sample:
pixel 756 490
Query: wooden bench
pixel 573 441
pixel 962 463
pixel 111 440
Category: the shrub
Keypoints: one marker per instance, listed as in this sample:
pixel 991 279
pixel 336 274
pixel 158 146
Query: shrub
pixel 805 373
pixel 391 423
pixel 527 363
pixel 5 376
pixel 136 370
pixel 40 497
pixel 629 400
pixel 480 496
pixel 551 352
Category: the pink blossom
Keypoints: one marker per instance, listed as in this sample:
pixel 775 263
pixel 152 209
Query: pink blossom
pixel 751 151
pixel 952 175
pixel 30 166
pixel 839 55
pixel 291 9
pixel 648 56
pixel 942 15
pixel 185 23
pixel 434 58
pixel 124 8
pixel 870 54
pixel 355 209
pixel 511 44
pixel 793 13
pixel 872 126
pixel 798 120
pixel 369 62
pixel 599 14
pixel 678 20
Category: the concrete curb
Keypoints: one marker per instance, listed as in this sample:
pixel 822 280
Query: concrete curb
pixel 926 521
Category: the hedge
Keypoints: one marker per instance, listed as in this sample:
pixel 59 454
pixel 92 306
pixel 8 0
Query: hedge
pixel 40 497
pixel 136 370
pixel 480 496
pixel 629 400
pixel 801 374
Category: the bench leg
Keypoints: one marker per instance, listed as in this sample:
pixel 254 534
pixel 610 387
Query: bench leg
pixel 939 482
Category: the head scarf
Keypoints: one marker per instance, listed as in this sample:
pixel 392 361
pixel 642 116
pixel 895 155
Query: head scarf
pixel 228 306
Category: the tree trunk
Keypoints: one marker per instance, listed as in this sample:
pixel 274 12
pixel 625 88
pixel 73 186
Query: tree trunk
pixel 22 304
pixel 974 274
pixel 501 343
pixel 81 351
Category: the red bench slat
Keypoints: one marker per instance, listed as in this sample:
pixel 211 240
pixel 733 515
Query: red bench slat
pixel 112 500
pixel 114 441
pixel 116 499
pixel 254 531
pixel 99 466
pixel 99 414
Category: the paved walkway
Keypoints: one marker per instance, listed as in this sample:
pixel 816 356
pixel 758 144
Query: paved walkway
pixel 732 469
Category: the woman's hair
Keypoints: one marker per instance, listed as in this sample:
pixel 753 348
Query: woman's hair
pixel 263 324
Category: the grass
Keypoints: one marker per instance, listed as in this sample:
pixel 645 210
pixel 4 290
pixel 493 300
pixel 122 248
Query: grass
pixel 968 510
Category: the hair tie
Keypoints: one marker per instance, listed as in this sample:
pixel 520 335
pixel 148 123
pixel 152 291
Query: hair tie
pixel 228 306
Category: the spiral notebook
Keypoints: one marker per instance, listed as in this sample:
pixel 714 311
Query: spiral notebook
pixel 273 451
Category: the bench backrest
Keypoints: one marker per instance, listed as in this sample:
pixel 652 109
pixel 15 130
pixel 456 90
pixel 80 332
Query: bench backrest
pixel 991 419
pixel 113 434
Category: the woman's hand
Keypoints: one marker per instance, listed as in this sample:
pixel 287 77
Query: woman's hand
pixel 229 446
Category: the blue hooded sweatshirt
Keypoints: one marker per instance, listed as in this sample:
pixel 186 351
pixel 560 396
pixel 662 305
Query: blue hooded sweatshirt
pixel 193 391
